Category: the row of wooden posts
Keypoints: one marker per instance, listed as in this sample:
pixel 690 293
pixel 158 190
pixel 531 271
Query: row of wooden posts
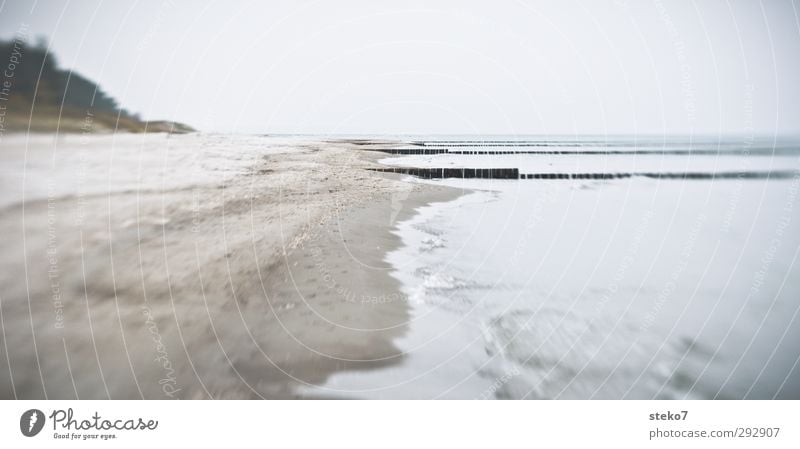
pixel 656 152
pixel 513 173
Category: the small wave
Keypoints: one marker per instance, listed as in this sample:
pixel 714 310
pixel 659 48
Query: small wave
pixel 430 243
pixel 447 291
pixel 564 354
pixel 433 286
pixel 439 281
pixel 424 228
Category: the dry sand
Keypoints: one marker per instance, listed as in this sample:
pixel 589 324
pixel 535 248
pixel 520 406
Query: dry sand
pixel 199 266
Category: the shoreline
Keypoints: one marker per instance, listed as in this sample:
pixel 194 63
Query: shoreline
pixel 155 280
pixel 349 290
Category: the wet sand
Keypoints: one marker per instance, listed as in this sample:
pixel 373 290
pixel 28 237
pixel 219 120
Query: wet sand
pixel 124 277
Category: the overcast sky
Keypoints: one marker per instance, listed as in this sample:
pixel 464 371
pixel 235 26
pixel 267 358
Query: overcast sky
pixel 502 67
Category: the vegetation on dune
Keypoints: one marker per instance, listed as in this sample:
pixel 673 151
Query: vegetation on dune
pixel 37 95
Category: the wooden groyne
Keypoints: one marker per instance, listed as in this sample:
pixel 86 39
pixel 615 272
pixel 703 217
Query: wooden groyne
pixel 465 173
pixel 502 143
pixel 668 175
pixel 411 151
pixel 513 173
pixel 631 152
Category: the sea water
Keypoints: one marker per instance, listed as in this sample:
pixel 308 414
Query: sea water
pixel 625 288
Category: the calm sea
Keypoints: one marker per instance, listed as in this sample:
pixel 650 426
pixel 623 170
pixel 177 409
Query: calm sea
pixel 636 287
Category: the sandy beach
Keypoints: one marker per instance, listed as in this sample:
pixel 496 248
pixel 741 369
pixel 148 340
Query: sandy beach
pixel 198 266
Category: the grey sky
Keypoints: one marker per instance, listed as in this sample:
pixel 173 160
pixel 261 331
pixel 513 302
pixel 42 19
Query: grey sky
pixel 552 67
